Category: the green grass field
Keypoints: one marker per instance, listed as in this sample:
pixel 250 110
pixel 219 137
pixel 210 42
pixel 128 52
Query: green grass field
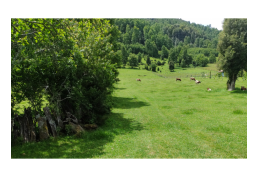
pixel 160 118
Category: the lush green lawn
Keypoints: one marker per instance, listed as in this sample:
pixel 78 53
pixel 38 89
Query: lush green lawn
pixel 160 118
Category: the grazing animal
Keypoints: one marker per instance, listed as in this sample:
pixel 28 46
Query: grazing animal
pixel 208 89
pixel 192 78
pixel 138 79
pixel 243 88
pixel 178 79
pixel 197 82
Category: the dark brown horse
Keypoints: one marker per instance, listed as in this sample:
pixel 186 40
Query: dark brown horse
pixel 177 79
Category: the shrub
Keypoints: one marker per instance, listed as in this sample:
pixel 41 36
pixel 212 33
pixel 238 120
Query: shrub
pixel 77 73
pixel 153 67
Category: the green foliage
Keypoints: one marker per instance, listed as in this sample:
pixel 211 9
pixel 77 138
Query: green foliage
pixel 172 55
pixel 133 60
pixel 148 61
pixel 183 65
pixel 201 60
pixel 71 62
pixel 158 63
pixel 124 54
pixel 153 67
pixel 164 52
pixel 232 46
pixel 171 65
pixel 139 57
pixel 146 66
pixel 212 58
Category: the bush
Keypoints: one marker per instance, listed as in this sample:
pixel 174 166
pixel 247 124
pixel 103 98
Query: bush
pixel 153 67
pixel 171 65
pixel 77 73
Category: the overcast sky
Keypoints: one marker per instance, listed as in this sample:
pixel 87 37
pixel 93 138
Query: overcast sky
pixel 214 22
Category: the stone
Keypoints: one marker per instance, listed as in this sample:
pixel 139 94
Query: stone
pixel 43 130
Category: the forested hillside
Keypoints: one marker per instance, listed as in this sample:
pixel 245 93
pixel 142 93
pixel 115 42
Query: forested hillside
pixel 172 39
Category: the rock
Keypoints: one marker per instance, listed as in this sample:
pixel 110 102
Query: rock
pixel 43 130
pixel 76 128
pixel 50 121
pixel 90 126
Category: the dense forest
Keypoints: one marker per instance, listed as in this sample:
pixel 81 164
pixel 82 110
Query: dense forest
pixel 174 40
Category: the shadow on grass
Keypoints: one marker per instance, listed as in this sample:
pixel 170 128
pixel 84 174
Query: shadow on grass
pixel 238 90
pixel 120 88
pixel 90 144
pixel 128 103
pixel 137 68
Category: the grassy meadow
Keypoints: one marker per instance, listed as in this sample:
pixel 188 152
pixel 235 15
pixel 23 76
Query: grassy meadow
pixel 160 117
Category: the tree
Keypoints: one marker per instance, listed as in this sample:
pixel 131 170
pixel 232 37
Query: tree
pixel 164 51
pixel 135 35
pixel 232 47
pixel 182 55
pixel 126 38
pixel 148 61
pixel 153 67
pixel 201 60
pixel 212 58
pixel 139 57
pixel 183 65
pixel 172 55
pixel 68 61
pixel 187 40
pixel 124 54
pixel 132 59
pixel 171 65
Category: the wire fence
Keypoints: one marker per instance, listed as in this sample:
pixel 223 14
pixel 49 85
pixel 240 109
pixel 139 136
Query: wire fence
pixel 198 75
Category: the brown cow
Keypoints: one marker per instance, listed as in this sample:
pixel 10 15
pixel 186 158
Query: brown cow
pixel 178 79
pixel 243 88
pixel 192 78
pixel 138 79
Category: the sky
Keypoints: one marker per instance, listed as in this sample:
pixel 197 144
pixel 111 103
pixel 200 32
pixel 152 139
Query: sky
pixel 214 22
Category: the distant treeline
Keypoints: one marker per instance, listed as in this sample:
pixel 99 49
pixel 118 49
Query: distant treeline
pixel 164 38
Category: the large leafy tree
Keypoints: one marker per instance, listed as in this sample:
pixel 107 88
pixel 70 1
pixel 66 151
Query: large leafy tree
pixel 172 55
pixel 132 59
pixel 232 46
pixel 135 35
pixel 164 52
pixel 148 61
pixel 68 61
pixel 171 65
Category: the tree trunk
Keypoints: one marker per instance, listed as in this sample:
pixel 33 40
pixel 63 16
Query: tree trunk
pixel 27 129
pixel 231 82
pixel 43 130
pixel 50 121
pixel 15 129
